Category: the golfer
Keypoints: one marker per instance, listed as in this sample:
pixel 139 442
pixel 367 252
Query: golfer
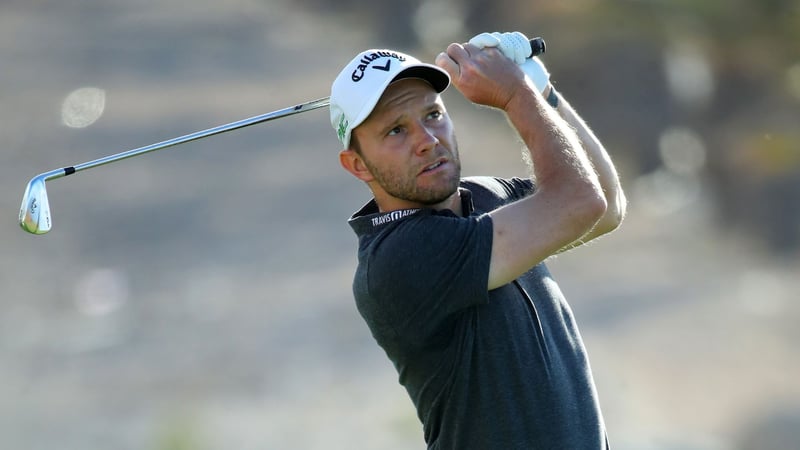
pixel 451 277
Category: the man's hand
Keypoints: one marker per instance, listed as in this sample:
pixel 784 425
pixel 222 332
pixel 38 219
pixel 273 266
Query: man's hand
pixel 516 47
pixel 484 76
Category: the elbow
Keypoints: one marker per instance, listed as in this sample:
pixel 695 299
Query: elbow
pixel 593 207
pixel 616 208
pixel 620 208
pixel 596 207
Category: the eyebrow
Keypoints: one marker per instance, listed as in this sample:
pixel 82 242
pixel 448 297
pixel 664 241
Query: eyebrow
pixel 428 105
pixel 430 100
pixel 393 121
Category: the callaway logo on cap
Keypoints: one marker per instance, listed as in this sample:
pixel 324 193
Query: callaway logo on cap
pixel 359 86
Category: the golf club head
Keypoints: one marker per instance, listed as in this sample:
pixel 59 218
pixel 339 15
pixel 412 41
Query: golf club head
pixel 34 214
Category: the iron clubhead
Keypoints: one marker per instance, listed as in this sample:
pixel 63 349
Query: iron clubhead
pixel 34 214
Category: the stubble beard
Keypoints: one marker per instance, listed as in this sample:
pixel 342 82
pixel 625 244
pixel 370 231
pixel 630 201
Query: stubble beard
pixel 406 187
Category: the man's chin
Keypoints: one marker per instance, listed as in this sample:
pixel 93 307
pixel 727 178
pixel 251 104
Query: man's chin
pixel 437 198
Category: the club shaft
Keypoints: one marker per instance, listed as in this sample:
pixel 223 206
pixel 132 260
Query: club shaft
pixel 296 109
pixel 537 47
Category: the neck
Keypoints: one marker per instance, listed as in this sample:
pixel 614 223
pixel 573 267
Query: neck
pixel 453 203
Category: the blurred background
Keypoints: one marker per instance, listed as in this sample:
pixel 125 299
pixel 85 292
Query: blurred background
pixel 199 297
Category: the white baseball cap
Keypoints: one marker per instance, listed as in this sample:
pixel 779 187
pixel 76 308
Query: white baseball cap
pixel 359 86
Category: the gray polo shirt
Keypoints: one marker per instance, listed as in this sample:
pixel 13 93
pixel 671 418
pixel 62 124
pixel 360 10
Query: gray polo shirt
pixel 500 369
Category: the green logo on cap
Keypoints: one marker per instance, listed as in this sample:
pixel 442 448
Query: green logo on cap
pixel 342 130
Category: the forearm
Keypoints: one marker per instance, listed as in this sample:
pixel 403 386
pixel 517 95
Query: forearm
pixel 556 153
pixel 567 202
pixel 603 166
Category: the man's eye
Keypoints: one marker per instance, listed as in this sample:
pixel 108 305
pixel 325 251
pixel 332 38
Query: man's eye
pixel 435 115
pixel 394 131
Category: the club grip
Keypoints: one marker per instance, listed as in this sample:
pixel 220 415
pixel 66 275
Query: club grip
pixel 537 47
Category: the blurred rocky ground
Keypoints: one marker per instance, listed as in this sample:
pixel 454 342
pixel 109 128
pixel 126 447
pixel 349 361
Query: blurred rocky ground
pixel 199 298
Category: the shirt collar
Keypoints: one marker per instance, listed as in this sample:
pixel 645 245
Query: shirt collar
pixel 369 219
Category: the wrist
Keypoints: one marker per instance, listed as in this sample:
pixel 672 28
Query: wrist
pixel 537 73
pixel 551 96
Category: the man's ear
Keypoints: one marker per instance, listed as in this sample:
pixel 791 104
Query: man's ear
pixel 354 163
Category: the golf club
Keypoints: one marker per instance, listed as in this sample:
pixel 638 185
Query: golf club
pixel 34 213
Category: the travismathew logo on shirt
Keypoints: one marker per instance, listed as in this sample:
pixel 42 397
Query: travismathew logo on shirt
pixel 366 60
pixel 392 216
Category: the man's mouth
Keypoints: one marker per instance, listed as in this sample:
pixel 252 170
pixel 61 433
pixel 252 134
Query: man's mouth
pixel 433 166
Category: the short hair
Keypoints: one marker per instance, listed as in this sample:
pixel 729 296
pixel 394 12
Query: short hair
pixel 355 145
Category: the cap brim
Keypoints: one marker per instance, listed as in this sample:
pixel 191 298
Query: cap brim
pixel 432 74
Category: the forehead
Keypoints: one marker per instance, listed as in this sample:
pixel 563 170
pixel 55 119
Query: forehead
pixel 403 93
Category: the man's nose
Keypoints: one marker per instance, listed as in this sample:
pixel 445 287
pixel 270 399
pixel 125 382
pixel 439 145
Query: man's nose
pixel 424 139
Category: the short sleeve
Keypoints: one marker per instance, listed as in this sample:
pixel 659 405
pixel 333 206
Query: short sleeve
pixel 423 270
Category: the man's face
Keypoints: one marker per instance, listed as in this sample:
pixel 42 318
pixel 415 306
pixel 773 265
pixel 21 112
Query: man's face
pixel 409 148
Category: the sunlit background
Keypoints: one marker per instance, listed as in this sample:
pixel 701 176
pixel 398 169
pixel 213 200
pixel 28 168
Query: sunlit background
pixel 199 297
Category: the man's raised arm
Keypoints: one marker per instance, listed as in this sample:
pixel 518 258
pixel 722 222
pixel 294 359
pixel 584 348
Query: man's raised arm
pixel 569 199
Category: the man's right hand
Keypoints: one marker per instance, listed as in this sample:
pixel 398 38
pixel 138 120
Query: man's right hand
pixel 483 76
